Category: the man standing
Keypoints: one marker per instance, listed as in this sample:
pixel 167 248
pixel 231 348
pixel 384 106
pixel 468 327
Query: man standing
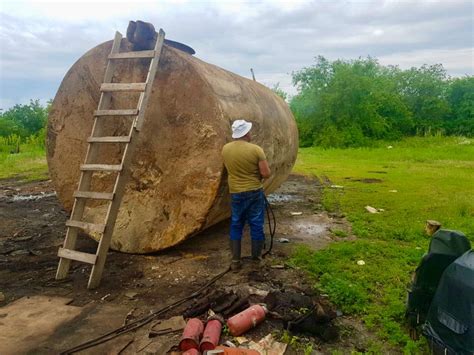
pixel 246 166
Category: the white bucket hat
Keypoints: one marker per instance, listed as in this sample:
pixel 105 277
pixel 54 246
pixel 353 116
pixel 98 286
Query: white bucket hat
pixel 240 128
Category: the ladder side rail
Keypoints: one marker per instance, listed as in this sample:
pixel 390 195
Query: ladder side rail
pixel 86 177
pixel 104 103
pixel 112 212
pixel 143 101
pixel 92 149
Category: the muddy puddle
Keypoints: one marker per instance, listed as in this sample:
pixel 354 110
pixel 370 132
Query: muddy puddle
pixel 277 198
pixel 16 198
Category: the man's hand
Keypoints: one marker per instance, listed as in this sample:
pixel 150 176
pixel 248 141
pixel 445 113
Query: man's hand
pixel 264 169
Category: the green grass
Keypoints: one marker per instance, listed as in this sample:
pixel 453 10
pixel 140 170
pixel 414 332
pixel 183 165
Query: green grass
pixel 28 165
pixel 433 179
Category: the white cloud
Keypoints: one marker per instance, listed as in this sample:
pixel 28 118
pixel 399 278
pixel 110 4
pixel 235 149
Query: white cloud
pixel 458 62
pixel 40 40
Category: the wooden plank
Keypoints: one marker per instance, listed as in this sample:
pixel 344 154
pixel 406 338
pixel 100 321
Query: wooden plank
pixel 100 167
pixel 91 155
pixel 133 55
pixel 94 195
pixel 109 139
pixel 119 87
pixel 128 112
pixel 86 227
pixel 143 102
pixel 77 255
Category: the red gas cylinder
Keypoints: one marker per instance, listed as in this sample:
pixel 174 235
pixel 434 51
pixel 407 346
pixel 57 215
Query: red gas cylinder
pixel 246 320
pixel 191 335
pixel 211 335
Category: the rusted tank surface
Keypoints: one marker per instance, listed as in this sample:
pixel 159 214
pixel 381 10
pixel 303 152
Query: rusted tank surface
pixel 178 184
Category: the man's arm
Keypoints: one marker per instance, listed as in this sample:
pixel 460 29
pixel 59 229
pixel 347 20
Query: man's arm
pixel 264 169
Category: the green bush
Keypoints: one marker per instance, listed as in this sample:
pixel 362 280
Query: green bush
pixel 23 125
pixel 24 120
pixel 352 103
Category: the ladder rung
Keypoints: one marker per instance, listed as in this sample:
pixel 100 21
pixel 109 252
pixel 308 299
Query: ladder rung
pixel 94 195
pixel 86 227
pixel 123 87
pixel 110 139
pixel 100 167
pixel 133 55
pixel 128 112
pixel 77 255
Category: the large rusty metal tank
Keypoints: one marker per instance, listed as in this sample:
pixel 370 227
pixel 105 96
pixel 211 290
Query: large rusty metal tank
pixel 178 184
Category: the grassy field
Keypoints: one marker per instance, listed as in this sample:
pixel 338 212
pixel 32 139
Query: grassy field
pixel 27 165
pixel 411 181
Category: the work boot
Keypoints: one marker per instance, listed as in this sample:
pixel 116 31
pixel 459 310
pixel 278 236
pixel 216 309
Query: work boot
pixel 235 246
pixel 257 246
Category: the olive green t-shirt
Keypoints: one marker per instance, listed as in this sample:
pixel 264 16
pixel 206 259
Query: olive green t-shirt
pixel 241 160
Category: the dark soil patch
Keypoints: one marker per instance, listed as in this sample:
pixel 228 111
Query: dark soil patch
pixel 32 229
pixel 365 180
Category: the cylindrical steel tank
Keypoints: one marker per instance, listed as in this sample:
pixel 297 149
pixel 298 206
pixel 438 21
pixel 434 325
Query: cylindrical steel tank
pixel 178 184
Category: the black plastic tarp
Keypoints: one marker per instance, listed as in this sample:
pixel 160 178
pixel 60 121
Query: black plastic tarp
pixel 449 242
pixel 445 247
pixel 450 320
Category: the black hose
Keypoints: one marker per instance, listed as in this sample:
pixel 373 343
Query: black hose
pixel 142 321
pixel 271 228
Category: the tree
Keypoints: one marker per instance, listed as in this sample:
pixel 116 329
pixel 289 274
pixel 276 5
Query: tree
pixel 279 91
pixel 8 127
pixel 424 90
pixel 24 120
pixel 461 100
pixel 347 103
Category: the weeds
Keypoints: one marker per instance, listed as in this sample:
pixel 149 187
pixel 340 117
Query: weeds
pixel 339 233
pixel 300 344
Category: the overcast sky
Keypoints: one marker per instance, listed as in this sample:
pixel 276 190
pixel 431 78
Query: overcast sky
pixel 41 40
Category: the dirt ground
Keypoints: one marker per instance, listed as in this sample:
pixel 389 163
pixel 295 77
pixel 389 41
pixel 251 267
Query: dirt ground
pixel 32 228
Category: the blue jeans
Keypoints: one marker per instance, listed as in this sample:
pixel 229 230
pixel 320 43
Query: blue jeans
pixel 248 206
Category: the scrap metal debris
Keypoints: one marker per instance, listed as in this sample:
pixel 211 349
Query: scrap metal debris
pixel 222 302
pixel 302 313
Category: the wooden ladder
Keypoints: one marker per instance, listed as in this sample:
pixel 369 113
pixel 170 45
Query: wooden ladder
pixel 75 223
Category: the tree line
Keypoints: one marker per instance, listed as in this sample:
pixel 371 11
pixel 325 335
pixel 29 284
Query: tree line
pixel 346 103
pixel 341 103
